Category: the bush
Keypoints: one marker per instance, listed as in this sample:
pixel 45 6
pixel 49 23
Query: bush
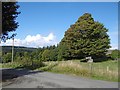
pixel 7 58
pixel 115 54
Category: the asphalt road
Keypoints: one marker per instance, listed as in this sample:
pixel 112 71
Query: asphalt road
pixel 23 78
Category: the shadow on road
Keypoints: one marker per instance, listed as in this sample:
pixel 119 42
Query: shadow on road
pixel 8 74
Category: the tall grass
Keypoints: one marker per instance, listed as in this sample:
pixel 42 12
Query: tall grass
pixel 0 65
pixel 104 70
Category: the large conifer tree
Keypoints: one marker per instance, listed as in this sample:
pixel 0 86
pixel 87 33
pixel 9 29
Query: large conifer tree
pixel 86 38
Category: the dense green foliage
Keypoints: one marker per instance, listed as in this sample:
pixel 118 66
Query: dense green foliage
pixel 48 53
pixel 85 38
pixel 9 15
pixel 115 54
pixel 7 57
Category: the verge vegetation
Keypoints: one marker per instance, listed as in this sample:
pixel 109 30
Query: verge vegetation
pixel 107 70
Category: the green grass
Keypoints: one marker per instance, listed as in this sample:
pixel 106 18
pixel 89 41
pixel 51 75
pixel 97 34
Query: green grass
pixel 0 65
pixel 22 64
pixel 11 65
pixel 107 70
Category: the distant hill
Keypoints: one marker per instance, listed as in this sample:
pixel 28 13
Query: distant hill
pixel 6 49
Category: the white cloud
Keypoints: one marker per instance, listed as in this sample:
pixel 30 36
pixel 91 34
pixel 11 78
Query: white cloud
pixel 33 41
pixel 114 46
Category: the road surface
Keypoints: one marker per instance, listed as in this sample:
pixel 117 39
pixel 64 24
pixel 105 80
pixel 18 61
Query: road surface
pixel 23 78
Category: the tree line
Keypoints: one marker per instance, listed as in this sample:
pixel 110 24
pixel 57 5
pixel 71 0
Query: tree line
pixel 49 53
pixel 40 54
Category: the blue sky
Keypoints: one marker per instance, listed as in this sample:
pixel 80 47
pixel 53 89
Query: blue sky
pixel 68 0
pixel 43 24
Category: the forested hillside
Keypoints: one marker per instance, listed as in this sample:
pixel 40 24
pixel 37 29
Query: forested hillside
pixel 8 49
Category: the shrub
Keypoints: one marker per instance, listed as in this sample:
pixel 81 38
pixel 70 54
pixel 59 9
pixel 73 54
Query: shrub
pixel 115 54
pixel 7 58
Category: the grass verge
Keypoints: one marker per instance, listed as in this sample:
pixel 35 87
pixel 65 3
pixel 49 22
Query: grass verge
pixel 107 70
